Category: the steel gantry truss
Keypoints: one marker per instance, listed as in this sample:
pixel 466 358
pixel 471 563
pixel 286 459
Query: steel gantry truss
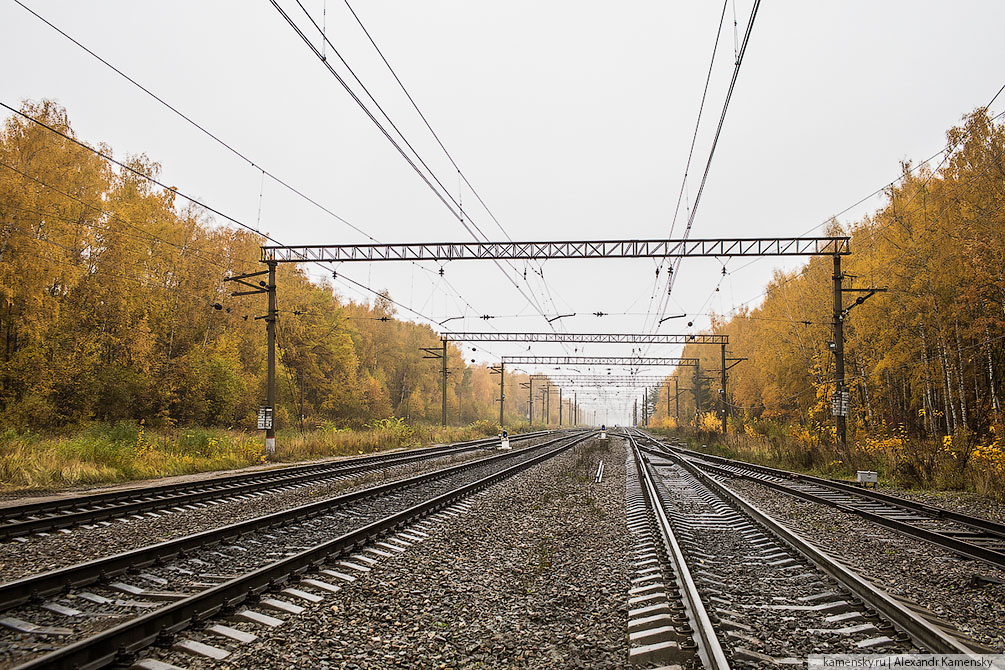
pixel 602 380
pixel 628 361
pixel 272 255
pixel 457 251
pixel 574 360
pixel 594 338
pixel 605 386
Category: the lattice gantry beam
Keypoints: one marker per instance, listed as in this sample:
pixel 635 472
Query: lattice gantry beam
pixel 603 382
pixel 596 338
pixel 457 251
pixel 634 361
pixel 645 379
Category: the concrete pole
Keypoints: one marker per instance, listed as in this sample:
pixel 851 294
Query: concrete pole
pixel 530 399
pixel 443 383
pixel 722 404
pixel 270 374
pixel 502 391
pixel 645 406
pixel 676 392
pixel 547 421
pixel 839 382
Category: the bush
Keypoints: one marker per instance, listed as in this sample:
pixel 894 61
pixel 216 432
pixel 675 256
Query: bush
pixel 485 427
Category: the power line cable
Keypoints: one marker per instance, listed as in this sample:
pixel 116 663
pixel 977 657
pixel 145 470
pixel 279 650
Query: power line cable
pixel 209 133
pixel 192 200
pixel 945 151
pixel 193 122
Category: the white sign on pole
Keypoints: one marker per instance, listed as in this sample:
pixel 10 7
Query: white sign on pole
pixel 264 417
pixel 840 403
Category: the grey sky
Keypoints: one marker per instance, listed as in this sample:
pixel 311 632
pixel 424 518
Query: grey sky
pixel 572 119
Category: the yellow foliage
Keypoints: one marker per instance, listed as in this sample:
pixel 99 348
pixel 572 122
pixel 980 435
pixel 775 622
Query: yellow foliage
pixel 709 422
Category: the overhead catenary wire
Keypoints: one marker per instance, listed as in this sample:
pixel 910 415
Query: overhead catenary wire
pixel 672 277
pixel 265 172
pixel 193 122
pixel 460 173
pixel 694 138
pixel 442 193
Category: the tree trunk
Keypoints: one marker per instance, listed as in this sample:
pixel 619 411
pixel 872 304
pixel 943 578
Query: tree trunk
pixel 929 422
pixel 960 381
pixel 992 387
pixel 948 398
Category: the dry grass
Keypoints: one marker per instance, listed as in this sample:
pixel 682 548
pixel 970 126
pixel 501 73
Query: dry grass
pixel 903 461
pixel 104 454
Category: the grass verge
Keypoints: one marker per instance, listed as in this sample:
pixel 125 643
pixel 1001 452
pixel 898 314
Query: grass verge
pixel 901 461
pixel 109 453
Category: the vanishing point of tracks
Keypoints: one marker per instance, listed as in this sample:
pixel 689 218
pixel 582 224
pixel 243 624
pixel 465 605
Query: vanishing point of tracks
pixel 105 611
pixel 718 582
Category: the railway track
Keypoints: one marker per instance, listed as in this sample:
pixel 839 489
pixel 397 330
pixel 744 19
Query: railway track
pixel 20 521
pixel 96 613
pixel 719 583
pixel 965 535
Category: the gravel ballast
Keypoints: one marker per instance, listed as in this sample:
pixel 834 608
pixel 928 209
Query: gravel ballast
pixel 533 576
pixel 950 586
pixel 964 502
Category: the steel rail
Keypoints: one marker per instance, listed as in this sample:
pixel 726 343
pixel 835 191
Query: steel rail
pixel 56 581
pixel 709 648
pixel 921 630
pixel 940 539
pixel 956 545
pixel 933 510
pixel 131 636
pixel 93 508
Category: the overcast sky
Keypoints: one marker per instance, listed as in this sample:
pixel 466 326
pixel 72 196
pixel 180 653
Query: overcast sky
pixel 571 119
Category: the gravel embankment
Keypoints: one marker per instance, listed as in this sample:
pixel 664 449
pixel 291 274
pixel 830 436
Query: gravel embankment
pixel 946 584
pixel 534 576
pixel 57 550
